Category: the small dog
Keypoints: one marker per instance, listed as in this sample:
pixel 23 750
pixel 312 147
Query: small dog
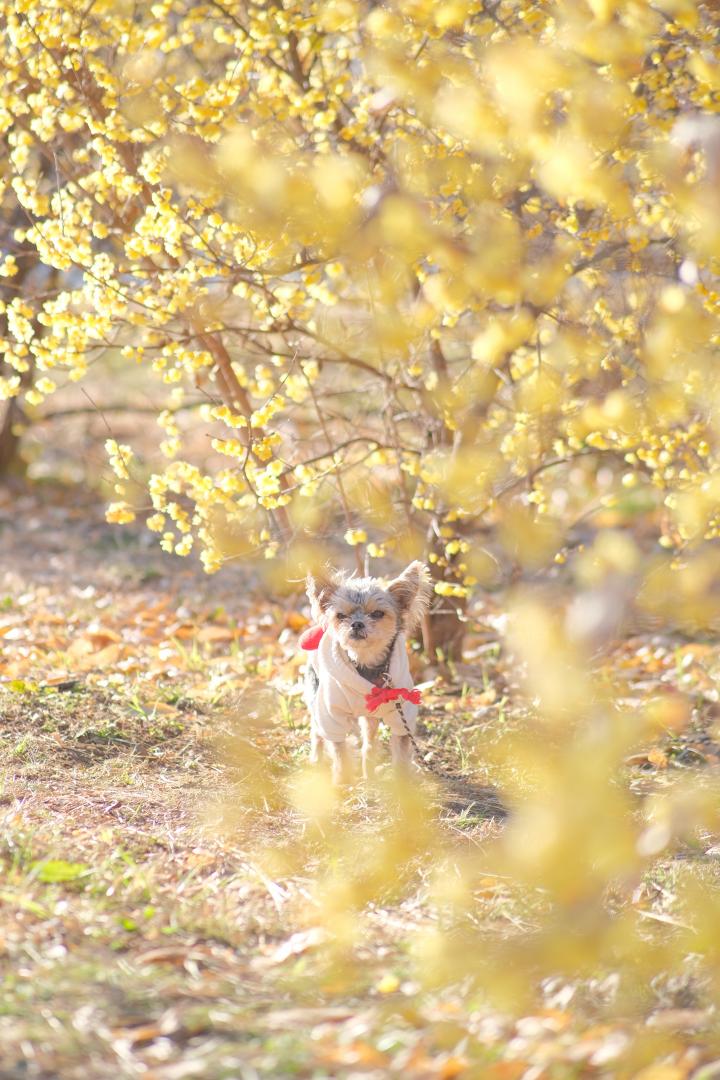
pixel 362 645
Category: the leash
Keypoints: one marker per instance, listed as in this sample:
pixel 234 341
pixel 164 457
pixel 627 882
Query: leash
pixel 442 774
pixel 382 693
pixel 409 695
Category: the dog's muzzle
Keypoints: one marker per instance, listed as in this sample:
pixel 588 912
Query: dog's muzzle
pixel 358 631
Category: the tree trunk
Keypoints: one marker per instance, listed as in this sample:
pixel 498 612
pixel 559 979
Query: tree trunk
pixel 10 415
pixel 32 277
pixel 444 626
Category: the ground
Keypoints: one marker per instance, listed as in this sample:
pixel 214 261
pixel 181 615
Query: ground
pixel 181 898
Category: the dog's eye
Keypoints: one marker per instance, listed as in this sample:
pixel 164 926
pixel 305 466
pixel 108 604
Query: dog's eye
pixel 340 617
pixel 377 614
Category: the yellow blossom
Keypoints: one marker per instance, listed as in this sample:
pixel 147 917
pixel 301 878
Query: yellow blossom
pixel 355 536
pixel 119 513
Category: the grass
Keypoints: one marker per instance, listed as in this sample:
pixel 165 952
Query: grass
pixel 179 898
pixel 138 936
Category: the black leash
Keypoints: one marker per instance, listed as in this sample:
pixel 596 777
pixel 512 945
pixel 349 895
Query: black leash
pixel 434 769
pixel 384 677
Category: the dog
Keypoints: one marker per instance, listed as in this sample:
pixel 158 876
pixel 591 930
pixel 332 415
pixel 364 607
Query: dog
pixel 358 645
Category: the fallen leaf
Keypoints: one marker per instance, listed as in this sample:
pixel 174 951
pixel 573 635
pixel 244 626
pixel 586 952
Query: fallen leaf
pixel 452 1066
pixel 165 708
pixel 209 634
pixel 657 758
pixel 105 658
pixel 176 955
pixel 81 646
pixel 53 871
pixel 285 1019
pixel 140 1034
pixel 101 636
pixel 295 945
pixel 296 621
pixel 354 1053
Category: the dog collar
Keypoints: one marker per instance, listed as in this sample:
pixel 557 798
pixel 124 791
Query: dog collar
pixel 380 674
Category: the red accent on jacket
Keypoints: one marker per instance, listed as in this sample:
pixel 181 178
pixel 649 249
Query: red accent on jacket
pixel 380 694
pixel 310 638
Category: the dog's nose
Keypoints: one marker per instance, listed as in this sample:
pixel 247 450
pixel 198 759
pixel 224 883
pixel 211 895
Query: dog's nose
pixel 357 624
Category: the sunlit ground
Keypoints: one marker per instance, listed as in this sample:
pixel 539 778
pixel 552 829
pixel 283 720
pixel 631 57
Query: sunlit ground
pixel 182 895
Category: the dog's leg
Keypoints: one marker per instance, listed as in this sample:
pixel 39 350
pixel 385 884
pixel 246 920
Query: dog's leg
pixel 314 743
pixel 368 728
pixel 338 761
pixel 312 684
pixel 401 752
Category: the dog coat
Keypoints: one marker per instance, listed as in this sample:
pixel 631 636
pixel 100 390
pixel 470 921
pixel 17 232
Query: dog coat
pixel 340 696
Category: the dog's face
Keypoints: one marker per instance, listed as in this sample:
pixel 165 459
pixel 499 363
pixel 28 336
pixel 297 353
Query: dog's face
pixel 364 614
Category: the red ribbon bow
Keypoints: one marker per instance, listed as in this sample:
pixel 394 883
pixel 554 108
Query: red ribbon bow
pixel 379 695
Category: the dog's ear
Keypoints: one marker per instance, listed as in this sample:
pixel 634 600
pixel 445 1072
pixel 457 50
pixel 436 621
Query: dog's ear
pixel 320 589
pixel 411 591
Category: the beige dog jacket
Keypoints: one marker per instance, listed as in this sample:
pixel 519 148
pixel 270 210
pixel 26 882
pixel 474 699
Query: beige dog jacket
pixel 340 696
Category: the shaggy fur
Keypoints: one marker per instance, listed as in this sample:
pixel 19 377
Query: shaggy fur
pixel 365 617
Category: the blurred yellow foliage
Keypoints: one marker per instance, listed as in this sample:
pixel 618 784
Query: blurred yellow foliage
pixel 492 233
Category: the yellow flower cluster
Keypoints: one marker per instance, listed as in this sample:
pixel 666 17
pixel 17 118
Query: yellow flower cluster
pixel 355 536
pixel 119 455
pixel 461 244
